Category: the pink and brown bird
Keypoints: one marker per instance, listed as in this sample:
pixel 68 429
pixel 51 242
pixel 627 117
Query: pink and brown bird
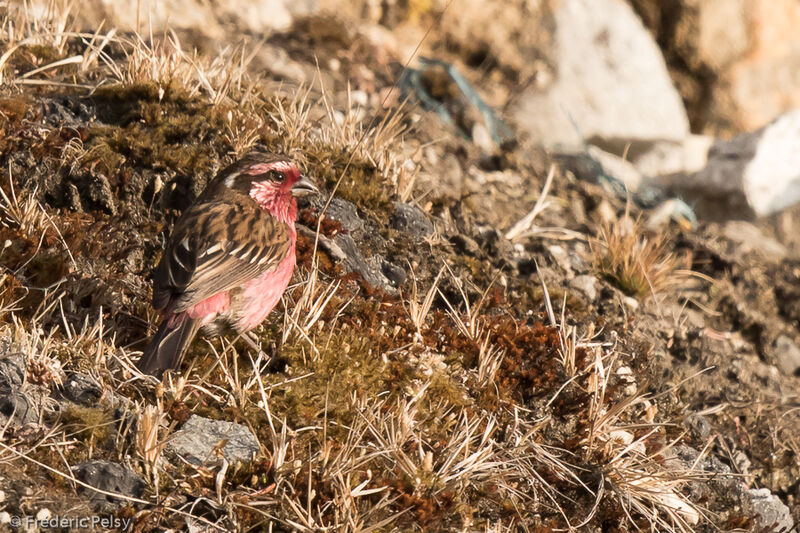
pixel 230 256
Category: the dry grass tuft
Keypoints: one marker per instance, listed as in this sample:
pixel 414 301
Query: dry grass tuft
pixel 637 264
pixel 388 414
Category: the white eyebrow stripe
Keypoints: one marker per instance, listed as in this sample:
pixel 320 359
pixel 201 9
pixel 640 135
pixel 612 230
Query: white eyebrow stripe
pixel 282 166
pixel 230 179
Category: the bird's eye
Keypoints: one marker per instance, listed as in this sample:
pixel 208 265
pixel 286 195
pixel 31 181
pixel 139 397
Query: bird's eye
pixel 278 177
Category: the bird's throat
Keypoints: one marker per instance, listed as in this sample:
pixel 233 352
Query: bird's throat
pixel 281 206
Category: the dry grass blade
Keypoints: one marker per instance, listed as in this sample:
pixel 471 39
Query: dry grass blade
pixel 490 358
pixel 418 312
pixel 524 226
pixel 151 418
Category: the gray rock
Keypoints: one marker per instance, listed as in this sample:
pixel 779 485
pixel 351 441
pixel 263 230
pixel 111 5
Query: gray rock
pixel 411 220
pixel 769 511
pixel 719 481
pixel 700 426
pixel 760 504
pixel 109 477
pixel 20 407
pixel 13 369
pixel 82 389
pixel 611 87
pixel 585 284
pixel 196 440
pixel 18 403
pixel 750 239
pixel 671 157
pixel 343 248
pixel 787 355
pixel 393 273
pixel 343 212
pixel 752 175
pixel 369 269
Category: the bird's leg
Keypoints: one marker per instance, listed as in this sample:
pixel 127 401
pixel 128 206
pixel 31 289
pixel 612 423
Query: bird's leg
pixel 253 342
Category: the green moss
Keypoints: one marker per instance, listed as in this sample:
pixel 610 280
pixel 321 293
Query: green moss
pixel 154 127
pixel 93 424
pixel 478 271
pixel 362 183
pixel 532 297
pixel 32 56
pixel 349 366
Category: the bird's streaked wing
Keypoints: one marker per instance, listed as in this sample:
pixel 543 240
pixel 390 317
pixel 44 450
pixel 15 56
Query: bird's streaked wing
pixel 216 247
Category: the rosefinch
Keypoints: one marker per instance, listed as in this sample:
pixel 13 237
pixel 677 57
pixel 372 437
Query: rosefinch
pixel 230 256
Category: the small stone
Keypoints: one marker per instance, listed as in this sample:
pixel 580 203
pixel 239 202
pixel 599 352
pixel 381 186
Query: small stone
pixel 585 284
pixel 197 440
pixel 755 174
pixel 82 389
pixel 787 355
pixel 411 220
pixel 109 477
pixel 742 462
pixel 631 303
pixel 43 514
pixel 5 518
pixel 769 511
pixel 13 369
pixel 562 259
pixel 482 138
pixel 604 213
pixel 699 425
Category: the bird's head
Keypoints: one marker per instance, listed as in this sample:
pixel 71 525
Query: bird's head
pixel 272 180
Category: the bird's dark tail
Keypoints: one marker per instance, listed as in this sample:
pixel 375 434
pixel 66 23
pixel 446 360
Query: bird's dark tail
pixel 168 345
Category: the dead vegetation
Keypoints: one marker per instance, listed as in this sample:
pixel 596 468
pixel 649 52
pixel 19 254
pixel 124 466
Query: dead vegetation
pixel 640 265
pixel 441 409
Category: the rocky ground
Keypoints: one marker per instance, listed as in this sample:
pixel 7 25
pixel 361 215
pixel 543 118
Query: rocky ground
pixel 487 330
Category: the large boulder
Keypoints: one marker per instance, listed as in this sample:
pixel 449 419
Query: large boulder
pixel 210 18
pixel 736 62
pixel 752 175
pixel 611 84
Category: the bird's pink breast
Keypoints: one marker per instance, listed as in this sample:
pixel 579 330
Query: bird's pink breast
pixel 262 294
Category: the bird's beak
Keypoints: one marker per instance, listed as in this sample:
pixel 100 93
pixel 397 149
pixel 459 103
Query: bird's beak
pixel 304 187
